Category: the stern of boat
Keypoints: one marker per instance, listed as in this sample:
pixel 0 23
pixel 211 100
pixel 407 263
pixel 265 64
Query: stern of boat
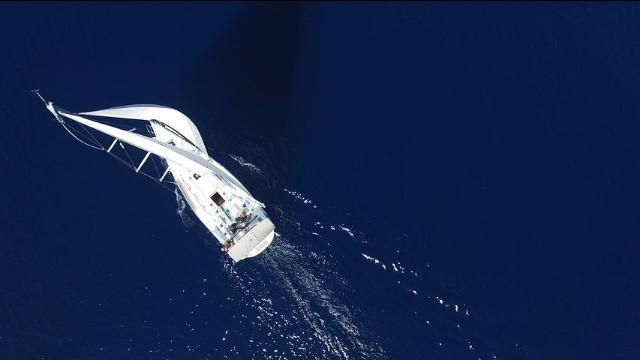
pixel 254 241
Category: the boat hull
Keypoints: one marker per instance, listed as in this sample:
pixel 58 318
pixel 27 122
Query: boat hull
pixel 248 242
pixel 217 198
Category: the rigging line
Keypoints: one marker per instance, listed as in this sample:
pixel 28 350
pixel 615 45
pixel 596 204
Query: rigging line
pixel 165 163
pixel 176 132
pixel 77 138
pixel 93 137
pixel 156 180
pixel 143 173
pixel 79 133
pixel 150 130
pixel 154 165
pixel 126 152
pixel 122 161
pixel 152 134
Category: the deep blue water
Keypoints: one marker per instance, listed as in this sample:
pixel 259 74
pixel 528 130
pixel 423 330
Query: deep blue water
pixel 448 181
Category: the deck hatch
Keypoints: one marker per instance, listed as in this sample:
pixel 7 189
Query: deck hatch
pixel 217 198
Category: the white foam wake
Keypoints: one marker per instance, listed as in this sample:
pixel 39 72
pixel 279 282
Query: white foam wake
pixel 319 322
pixel 298 196
pixel 250 166
pixel 181 210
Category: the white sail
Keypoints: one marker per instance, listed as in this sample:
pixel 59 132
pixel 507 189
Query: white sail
pixel 217 198
pixel 175 154
pixel 174 118
pixel 180 156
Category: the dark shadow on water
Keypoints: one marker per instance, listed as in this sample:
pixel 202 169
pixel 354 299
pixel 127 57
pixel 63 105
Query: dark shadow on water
pixel 240 91
pixel 244 81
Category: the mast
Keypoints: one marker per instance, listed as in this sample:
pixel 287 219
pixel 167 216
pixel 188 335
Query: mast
pixel 169 152
pixel 192 160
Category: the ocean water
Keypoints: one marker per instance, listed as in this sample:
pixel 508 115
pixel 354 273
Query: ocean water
pixel 447 181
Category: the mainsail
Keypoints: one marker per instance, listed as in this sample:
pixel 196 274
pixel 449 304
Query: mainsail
pixel 165 115
pixel 151 145
pixel 217 198
pixel 192 160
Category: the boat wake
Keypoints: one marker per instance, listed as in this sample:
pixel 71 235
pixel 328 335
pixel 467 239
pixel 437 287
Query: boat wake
pixel 182 206
pixel 254 169
pixel 294 301
pixel 319 324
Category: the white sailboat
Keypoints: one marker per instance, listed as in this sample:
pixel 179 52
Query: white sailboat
pixel 219 200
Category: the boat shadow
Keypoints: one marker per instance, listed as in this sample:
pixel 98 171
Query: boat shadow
pixel 243 83
pixel 240 91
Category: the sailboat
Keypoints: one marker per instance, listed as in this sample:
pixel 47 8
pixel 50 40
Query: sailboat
pixel 225 207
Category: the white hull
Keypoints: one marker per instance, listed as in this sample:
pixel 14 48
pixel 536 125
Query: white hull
pixel 219 200
pixel 256 235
